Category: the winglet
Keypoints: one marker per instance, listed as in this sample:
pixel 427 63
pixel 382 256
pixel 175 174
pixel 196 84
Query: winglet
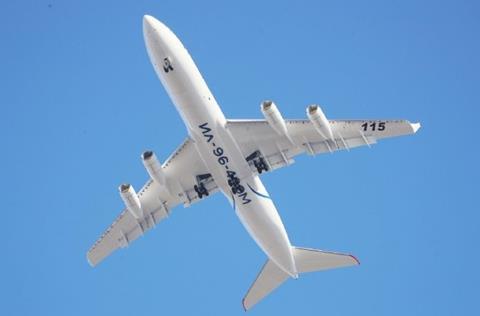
pixel 415 127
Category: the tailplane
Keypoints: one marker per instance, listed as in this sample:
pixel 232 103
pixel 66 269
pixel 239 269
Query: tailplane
pixel 306 260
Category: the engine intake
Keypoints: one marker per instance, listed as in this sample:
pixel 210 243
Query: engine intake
pixel 319 121
pixel 131 200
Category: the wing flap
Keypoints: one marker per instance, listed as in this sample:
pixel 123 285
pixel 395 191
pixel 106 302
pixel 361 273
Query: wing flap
pixel 279 151
pixel 123 231
pixel 181 169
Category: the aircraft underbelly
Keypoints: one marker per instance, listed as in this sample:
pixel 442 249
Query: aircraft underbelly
pixel 262 221
pixel 252 204
pixel 206 125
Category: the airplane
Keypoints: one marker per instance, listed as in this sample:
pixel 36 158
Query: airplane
pixel 226 155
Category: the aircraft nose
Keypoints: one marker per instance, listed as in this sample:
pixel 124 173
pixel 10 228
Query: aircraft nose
pixel 154 30
pixel 148 22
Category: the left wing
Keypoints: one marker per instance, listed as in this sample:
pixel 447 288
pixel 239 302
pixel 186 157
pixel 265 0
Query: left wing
pixel 181 169
pixel 258 138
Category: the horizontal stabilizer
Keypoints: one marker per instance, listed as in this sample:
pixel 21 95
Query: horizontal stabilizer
pixel 306 260
pixel 269 278
pixel 309 260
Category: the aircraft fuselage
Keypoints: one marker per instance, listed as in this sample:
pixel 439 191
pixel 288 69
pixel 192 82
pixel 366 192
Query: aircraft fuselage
pixel 206 125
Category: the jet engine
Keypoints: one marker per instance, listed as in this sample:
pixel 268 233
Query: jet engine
pixel 153 166
pixel 154 169
pixel 319 121
pixel 274 118
pixel 131 200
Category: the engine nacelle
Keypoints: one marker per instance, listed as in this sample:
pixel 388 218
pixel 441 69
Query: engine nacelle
pixel 153 166
pixel 319 121
pixel 131 200
pixel 274 118
pixel 154 169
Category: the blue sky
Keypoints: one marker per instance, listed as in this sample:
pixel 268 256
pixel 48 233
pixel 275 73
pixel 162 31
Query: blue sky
pixel 80 102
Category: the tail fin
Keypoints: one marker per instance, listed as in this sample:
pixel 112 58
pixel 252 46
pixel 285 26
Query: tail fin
pixel 306 260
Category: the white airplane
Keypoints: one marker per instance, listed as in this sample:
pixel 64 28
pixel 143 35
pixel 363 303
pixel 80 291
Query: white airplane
pixel 228 156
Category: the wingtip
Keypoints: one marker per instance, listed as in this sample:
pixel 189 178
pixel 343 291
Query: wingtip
pixel 243 305
pixel 90 261
pixel 415 126
pixel 355 258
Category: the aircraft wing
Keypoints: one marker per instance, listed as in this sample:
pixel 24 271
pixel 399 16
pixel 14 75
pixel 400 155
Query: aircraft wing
pixel 256 136
pixel 181 170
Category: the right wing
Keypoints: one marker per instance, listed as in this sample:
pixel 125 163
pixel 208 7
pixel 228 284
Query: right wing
pixel 257 137
pixel 181 170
